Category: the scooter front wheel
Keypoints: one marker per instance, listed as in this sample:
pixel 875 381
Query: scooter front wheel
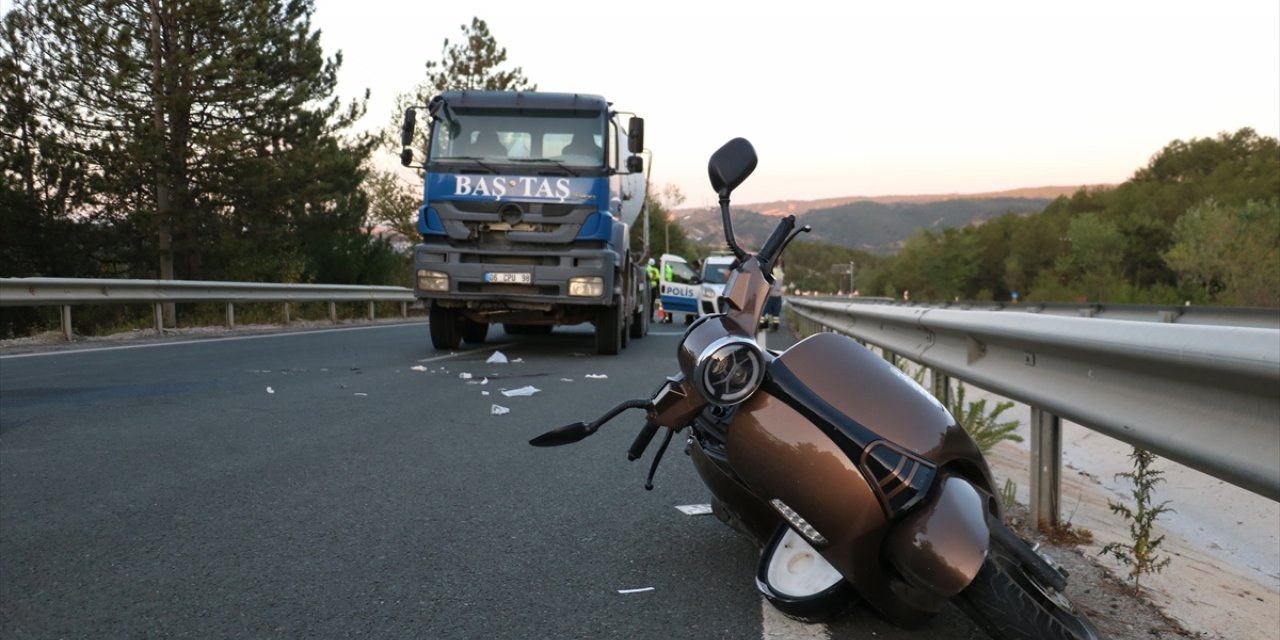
pixel 1010 604
pixel 799 582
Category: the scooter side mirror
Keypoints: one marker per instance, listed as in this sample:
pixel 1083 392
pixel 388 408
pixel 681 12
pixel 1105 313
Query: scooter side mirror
pixel 730 165
pixel 568 434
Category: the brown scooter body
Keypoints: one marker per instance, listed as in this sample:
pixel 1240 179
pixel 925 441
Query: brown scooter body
pixel 772 450
pixel 863 467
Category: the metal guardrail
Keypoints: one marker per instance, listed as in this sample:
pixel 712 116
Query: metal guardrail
pixel 66 292
pixel 1205 395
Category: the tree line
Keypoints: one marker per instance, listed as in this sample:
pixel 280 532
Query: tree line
pixel 1200 223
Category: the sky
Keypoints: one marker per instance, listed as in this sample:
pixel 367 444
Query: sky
pixel 861 98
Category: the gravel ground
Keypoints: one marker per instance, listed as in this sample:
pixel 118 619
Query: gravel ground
pixel 1113 607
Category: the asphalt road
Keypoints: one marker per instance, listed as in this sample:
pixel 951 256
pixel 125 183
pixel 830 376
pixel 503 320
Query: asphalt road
pixel 317 485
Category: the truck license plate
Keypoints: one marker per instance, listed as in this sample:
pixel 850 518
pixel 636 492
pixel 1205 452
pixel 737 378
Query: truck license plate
pixel 508 278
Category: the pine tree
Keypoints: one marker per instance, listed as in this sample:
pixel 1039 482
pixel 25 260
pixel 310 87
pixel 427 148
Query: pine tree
pixel 206 130
pixel 472 63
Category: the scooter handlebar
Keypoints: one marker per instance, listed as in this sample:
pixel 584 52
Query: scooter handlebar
pixel 642 441
pixel 773 246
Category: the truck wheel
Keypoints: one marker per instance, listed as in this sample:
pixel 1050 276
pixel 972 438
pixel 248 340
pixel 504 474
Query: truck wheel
pixel 624 334
pixel 444 327
pixel 609 330
pixel 640 322
pixel 474 332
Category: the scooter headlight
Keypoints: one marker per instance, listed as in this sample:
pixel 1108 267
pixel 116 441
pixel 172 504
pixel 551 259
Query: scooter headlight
pixel 729 370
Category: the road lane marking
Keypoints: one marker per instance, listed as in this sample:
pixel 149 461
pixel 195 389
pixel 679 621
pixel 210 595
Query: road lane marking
pixel 775 626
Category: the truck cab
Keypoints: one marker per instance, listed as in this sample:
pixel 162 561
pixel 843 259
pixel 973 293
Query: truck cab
pixel 528 200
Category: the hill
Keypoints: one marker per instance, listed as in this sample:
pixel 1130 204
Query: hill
pixel 878 224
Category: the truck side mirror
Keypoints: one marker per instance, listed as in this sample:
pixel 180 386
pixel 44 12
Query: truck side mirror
pixel 406 129
pixel 635 135
pixel 635 164
pixel 406 156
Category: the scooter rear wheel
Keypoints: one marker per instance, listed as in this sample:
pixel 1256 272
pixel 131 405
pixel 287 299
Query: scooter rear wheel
pixel 1010 604
pixel 797 581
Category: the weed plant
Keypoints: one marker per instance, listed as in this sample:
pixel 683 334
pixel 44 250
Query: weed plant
pixel 1139 553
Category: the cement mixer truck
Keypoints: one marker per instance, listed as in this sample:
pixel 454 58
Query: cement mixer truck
pixel 529 198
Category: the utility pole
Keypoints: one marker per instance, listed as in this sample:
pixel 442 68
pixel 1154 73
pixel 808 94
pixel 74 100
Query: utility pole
pixel 849 268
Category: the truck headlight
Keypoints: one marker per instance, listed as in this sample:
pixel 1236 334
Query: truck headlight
pixel 433 280
pixel 587 287
pixel 729 370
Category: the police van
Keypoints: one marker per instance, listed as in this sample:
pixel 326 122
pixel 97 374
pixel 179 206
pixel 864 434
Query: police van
pixel 679 288
pixel 715 271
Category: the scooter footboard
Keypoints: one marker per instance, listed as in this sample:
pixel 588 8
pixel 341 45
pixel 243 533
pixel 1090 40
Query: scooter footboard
pixel 940 547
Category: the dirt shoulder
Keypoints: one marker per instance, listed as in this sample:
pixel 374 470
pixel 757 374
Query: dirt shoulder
pixel 1195 596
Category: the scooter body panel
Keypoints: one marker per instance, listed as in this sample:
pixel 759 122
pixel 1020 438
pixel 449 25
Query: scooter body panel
pixel 778 448
pixel 940 547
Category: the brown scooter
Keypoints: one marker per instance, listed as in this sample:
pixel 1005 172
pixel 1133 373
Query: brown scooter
pixel 856 482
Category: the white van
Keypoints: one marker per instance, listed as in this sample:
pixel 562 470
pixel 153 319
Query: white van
pixel 678 288
pixel 715 271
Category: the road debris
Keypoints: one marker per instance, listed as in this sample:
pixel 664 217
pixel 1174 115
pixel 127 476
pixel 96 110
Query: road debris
pixel 499 410
pixel 640 590
pixel 521 392
pixel 497 358
pixel 694 509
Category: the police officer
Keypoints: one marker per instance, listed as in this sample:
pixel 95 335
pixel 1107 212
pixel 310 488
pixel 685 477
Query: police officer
pixel 653 285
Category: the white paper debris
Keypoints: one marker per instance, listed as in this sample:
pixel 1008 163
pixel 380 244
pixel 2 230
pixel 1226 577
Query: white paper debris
pixel 418 368
pixel 521 392
pixel 640 590
pixel 694 509
pixel 484 393
pixel 361 393
pixel 497 358
pixel 270 390
pixel 499 410
pixel 464 375
pixel 480 381
pixel 518 360
pixel 596 376
pixel 566 379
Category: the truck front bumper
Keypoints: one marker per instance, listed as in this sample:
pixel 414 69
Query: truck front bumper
pixel 475 278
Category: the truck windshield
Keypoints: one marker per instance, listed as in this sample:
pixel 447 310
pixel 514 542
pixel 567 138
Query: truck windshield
pixel 566 138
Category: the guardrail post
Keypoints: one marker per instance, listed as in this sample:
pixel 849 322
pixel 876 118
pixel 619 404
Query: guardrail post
pixel 231 315
pixel 286 314
pixel 159 311
pixel 941 387
pixel 66 322
pixel 371 312
pixel 1046 466
pixel 333 312
pixel 404 309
